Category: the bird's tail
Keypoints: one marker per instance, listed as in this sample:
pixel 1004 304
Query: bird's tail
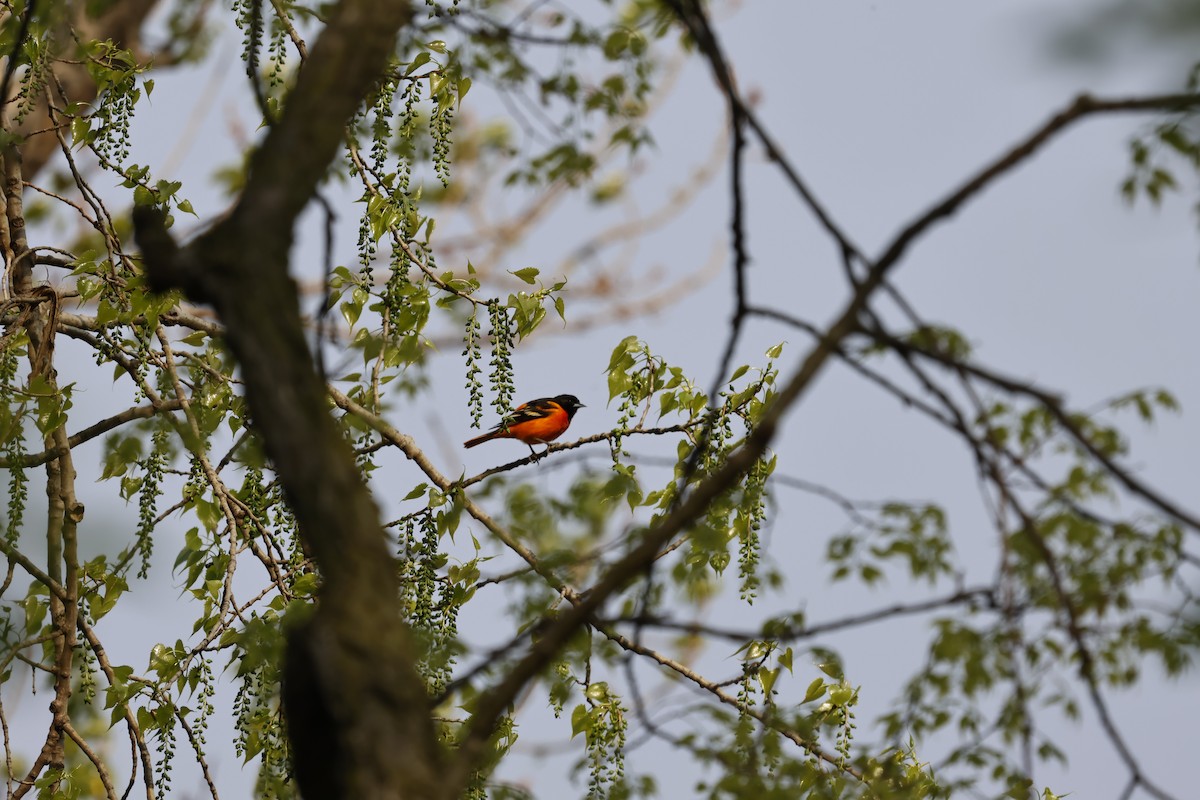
pixel 487 437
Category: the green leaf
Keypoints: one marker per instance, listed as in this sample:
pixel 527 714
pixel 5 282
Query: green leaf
pixel 529 274
pixel 209 513
pixel 306 584
pixel 35 613
pixel 841 694
pixel 831 668
pixel 351 311
pixel 163 660
pixel 422 58
pixel 581 721
pixel 616 43
pixel 618 382
pixel 622 352
pixel 667 402
pixel 767 679
pixel 80 130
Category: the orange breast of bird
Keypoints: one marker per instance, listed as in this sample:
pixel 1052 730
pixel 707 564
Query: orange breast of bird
pixel 540 429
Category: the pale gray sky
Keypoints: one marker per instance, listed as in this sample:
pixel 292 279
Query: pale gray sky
pixel 883 107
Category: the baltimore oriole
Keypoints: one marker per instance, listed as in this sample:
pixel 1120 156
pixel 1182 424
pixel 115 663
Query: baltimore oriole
pixel 539 421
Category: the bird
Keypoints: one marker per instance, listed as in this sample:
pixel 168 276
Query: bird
pixel 539 421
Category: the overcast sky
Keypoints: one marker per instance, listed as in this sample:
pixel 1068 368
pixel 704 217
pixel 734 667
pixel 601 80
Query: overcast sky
pixel 884 107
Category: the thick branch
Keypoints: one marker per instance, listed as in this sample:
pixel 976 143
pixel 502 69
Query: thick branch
pixel 357 709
